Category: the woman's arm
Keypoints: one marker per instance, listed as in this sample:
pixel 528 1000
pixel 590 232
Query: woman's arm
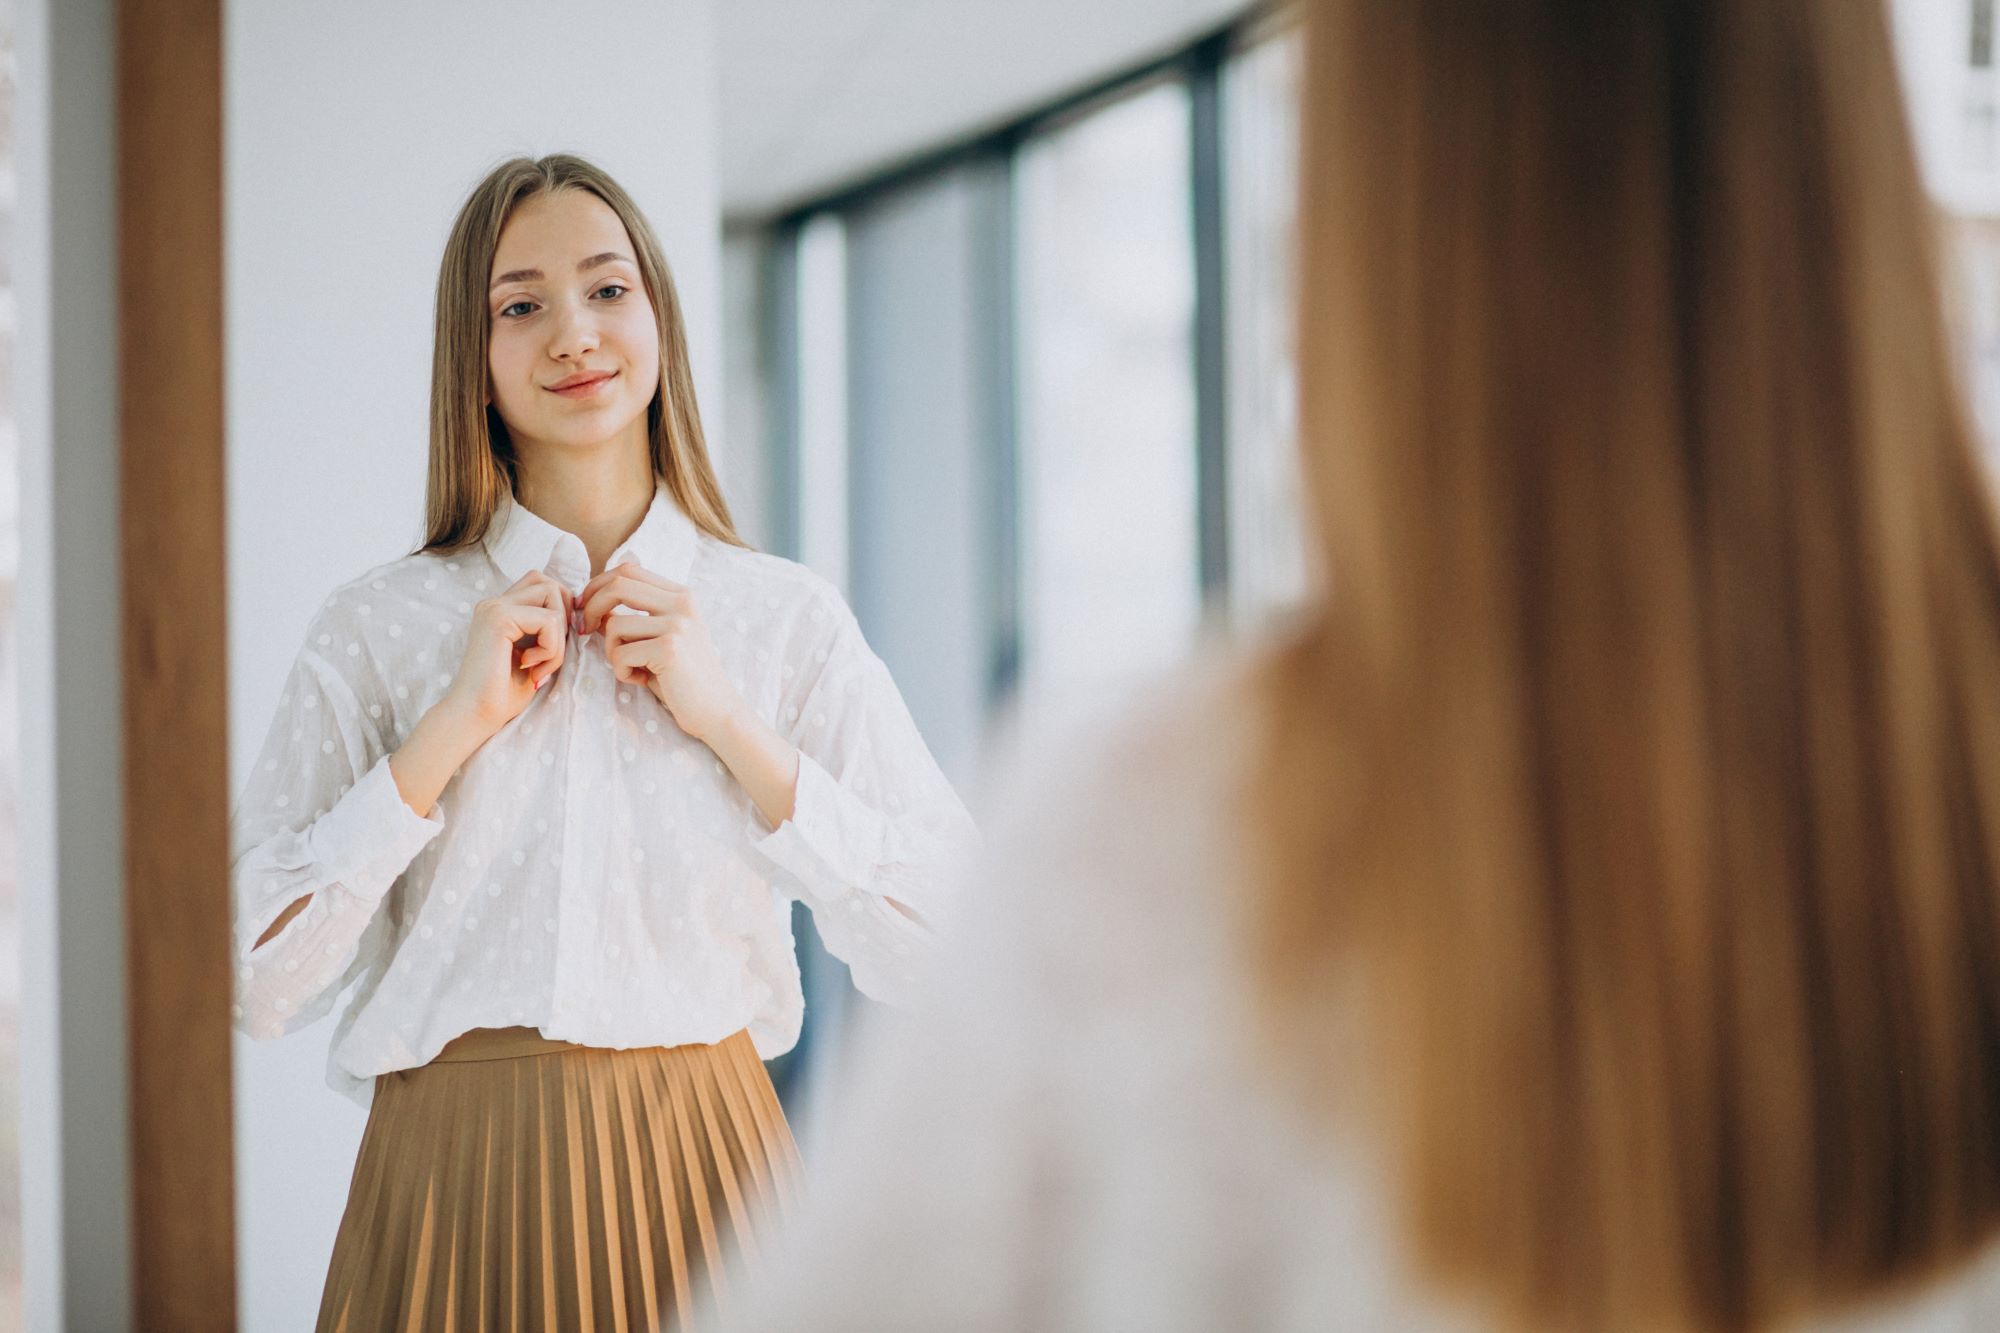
pixel 872 837
pixel 318 834
pixel 438 746
pixel 763 761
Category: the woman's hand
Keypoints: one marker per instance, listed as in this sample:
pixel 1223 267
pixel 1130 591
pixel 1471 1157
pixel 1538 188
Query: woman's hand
pixel 664 645
pixel 517 641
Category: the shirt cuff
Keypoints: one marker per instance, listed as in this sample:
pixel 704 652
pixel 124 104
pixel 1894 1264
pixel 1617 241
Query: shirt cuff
pixel 371 834
pixel 832 843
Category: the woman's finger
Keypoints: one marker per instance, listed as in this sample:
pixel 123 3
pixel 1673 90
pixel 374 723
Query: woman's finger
pixel 632 569
pixel 639 594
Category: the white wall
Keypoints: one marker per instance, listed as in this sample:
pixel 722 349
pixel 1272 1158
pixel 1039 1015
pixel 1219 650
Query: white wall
pixel 75 1158
pixel 1954 108
pixel 353 133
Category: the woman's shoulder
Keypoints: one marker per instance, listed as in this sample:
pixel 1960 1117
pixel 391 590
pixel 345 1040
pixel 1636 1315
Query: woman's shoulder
pixel 403 576
pixel 745 568
pixel 395 605
pixel 772 589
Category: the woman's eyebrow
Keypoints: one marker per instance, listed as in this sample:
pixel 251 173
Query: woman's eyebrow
pixel 536 275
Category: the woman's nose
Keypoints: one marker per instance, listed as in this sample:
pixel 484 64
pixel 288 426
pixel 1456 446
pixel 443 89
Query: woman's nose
pixel 573 331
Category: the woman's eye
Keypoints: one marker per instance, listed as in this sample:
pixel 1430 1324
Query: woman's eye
pixel 617 287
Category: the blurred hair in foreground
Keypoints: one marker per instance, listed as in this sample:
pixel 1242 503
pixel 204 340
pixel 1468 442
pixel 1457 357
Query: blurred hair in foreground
pixel 1631 803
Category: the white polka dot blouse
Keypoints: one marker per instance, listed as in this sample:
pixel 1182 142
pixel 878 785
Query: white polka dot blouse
pixel 592 870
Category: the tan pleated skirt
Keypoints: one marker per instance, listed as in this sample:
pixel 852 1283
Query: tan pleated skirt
pixel 522 1183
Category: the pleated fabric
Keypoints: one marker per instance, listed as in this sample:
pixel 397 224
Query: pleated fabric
pixel 521 1183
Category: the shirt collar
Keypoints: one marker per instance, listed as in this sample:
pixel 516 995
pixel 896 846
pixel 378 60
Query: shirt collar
pixel 519 540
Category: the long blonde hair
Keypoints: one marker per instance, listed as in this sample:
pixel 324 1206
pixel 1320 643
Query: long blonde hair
pixel 471 457
pixel 1630 803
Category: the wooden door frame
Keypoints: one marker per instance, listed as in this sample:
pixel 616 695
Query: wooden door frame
pixel 174 657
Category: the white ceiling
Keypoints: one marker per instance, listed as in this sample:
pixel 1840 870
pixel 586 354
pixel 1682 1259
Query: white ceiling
pixel 817 94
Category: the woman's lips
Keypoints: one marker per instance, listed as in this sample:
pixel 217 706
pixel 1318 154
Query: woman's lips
pixel 588 387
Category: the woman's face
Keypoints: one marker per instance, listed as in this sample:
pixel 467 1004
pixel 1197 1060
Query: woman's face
pixel 566 300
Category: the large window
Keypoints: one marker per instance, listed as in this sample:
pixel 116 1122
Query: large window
pixel 1109 554
pixel 1267 565
pixel 1031 402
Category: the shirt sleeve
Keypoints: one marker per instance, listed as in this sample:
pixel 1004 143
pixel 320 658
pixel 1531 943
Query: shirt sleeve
pixel 320 815
pixel 877 837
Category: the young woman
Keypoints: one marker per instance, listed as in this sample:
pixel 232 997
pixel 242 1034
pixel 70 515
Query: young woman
pixel 1587 916
pixel 546 789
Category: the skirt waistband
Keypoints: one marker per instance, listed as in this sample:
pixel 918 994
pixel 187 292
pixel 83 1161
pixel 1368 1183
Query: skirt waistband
pixel 502 1044
pixel 514 1042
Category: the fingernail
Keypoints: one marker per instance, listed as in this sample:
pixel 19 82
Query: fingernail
pixel 541 681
